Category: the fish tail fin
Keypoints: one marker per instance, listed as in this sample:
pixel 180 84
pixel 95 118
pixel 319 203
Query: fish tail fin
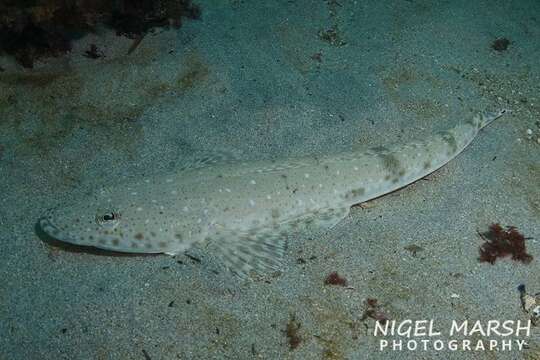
pixel 485 118
pixel 243 253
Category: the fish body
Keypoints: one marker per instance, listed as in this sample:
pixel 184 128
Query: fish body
pixel 246 209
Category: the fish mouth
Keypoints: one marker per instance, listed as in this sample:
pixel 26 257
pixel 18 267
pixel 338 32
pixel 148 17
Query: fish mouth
pixel 52 235
pixel 47 227
pixel 49 233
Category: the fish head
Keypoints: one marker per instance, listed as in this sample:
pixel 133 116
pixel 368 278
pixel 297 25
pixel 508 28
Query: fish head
pixel 112 219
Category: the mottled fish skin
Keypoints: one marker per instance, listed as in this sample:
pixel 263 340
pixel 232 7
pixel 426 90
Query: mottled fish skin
pixel 247 209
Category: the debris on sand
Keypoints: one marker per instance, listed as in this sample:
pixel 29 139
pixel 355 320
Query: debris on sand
pixel 414 249
pixel 292 333
pixel 146 356
pixel 373 311
pixel 93 52
pixel 317 57
pixel 530 304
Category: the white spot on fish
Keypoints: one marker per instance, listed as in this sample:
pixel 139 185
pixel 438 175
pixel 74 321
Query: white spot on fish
pixel 169 180
pixel 320 185
pixel 146 181
pixel 174 192
pixel 186 209
pixel 146 221
pixel 253 182
pixel 139 208
pixel 356 168
pixel 228 190
pixel 154 201
pixel 134 193
pixel 199 220
pixel 268 197
pixel 251 202
pixel 161 207
pixel 306 176
pixel 337 172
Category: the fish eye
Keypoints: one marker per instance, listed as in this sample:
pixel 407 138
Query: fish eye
pixel 108 219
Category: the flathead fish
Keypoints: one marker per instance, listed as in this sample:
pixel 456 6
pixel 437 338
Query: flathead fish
pixel 247 209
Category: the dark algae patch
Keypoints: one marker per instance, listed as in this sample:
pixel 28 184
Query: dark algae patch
pixel 501 44
pixel 33 29
pixel 501 243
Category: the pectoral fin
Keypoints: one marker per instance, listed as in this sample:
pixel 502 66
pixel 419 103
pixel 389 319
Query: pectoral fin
pixel 261 250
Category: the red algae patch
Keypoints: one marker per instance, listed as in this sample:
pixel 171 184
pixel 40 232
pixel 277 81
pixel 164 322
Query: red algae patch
pixel 335 279
pixel 501 243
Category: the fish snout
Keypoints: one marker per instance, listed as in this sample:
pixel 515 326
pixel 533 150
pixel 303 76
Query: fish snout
pixel 48 226
pixel 45 224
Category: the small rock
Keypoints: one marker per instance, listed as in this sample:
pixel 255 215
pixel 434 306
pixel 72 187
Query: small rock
pixel 530 304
